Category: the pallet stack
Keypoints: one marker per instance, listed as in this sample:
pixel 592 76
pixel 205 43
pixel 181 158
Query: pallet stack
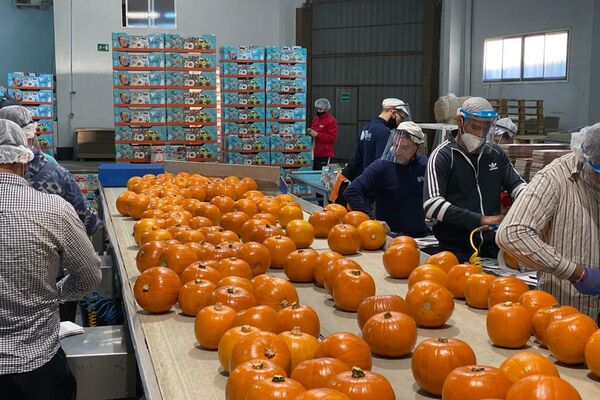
pixel 36 92
pixel 528 115
pixel 529 159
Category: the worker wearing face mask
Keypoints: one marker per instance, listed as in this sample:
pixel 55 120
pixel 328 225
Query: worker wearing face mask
pixel 464 179
pixel 396 183
pixel 371 143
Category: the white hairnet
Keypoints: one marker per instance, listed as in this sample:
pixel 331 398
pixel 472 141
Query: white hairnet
pixel 323 103
pixel 506 125
pixel 586 144
pixel 13 144
pixel 22 117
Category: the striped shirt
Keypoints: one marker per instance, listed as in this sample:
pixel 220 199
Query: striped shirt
pixel 553 227
pixel 38 231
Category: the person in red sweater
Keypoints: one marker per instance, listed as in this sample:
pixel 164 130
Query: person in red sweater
pixel 324 130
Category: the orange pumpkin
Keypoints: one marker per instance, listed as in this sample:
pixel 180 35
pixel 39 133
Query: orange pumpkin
pixel 527 363
pixel 135 206
pixel 428 272
pixel 355 218
pixel 249 226
pixel 457 278
pixel 224 204
pixel 435 358
pixel 509 325
pixel 156 289
pixel 338 210
pixel 234 297
pixel 322 222
pixel 234 221
pixel 444 259
pixel 122 201
pixel 246 206
pixel 271 218
pixel 477 288
pixel 362 385
pixel 223 252
pixel 378 304
pixel 275 388
pixel 503 289
pixel 149 255
pixel 234 266
pixel 280 247
pixel 193 296
pixel 299 315
pixel 247 374
pixel 322 263
pixel 236 281
pixel 321 394
pixel 263 232
pixel 430 304
pixel 542 387
pixel 301 232
pixel 403 240
pixel 533 300
pixel 261 317
pixel 545 316
pixel 567 337
pixel 228 342
pixel 154 234
pixel 400 260
pixel 351 287
pixel 262 346
pixel 200 270
pixel 378 330
pixel 211 324
pixel 592 353
pixel 178 257
pixel 189 236
pixel 300 264
pixel 257 256
pixel 134 180
pixel 302 346
pixel 344 239
pixel 335 268
pixel 289 213
pixel 273 291
pixel 200 222
pixel 372 235
pixel 317 372
pixel 210 211
pixel 346 347
pixel 141 226
pixel 475 382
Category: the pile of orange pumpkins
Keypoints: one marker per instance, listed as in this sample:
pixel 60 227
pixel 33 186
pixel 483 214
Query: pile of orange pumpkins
pixel 206 244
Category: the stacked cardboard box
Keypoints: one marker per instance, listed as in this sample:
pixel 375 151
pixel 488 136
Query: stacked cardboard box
pixel 88 183
pixel 36 92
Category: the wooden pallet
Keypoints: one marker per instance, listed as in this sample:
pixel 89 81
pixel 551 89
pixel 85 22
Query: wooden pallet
pixel 522 111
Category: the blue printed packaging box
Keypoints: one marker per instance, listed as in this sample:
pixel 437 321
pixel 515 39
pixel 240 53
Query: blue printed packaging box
pixel 44 126
pixel 243 99
pixel 244 114
pixel 297 143
pixel 300 189
pixel 138 79
pixel 247 143
pixel 46 140
pixel 291 70
pixel 286 53
pixel 286 85
pixel 283 99
pixel 138 60
pixel 234 128
pixel 184 133
pixel 127 152
pixel 43 111
pixel 190 61
pixel 301 159
pixel 203 42
pixel 280 128
pixel 248 158
pixel 202 152
pixel 242 53
pixel 31 79
pixel 140 115
pixel 286 114
pixel 122 40
pixel 191 79
pixel 191 97
pixel 253 69
pixel 140 134
pixel 33 96
pixel 235 84
pixel 191 115
pixel 128 96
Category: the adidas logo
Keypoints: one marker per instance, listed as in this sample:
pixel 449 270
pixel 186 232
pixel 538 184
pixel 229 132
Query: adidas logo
pixel 493 166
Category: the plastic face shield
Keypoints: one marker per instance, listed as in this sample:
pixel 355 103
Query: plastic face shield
pixel 401 147
pixel 480 123
pixel 404 111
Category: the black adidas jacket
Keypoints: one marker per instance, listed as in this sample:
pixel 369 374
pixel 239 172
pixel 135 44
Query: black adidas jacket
pixel 460 188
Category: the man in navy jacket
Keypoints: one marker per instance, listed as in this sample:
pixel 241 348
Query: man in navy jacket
pixel 396 183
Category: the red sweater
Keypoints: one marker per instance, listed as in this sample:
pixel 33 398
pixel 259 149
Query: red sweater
pixel 326 128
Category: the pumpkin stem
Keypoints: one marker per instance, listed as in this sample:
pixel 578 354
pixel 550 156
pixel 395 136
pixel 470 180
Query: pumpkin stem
pixel 269 353
pixel 146 288
pixel 218 306
pixel 387 315
pixel 443 340
pixel 278 379
pixel 356 272
pixel 233 258
pixel 357 372
pixel 257 364
pixel 508 303
pixel 246 328
pixel 556 305
pixel 197 281
pixel 295 305
pixel 230 290
pixel 477 369
pixel 296 331
pixel 284 304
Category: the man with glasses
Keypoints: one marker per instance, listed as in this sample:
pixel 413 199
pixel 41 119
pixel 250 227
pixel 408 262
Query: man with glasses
pixel 464 179
pixel 395 182
pixel 554 226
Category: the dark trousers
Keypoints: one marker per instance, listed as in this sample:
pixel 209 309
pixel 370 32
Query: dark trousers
pixel 51 381
pixel 318 165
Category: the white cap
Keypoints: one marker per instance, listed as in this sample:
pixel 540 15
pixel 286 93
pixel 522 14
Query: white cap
pixel 392 103
pixel 13 144
pixel 475 104
pixel 413 130
pixel 506 125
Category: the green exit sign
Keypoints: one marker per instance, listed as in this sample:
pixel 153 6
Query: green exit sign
pixel 345 97
pixel 103 47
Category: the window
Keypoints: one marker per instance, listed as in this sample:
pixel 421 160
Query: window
pixel 149 13
pixel 540 56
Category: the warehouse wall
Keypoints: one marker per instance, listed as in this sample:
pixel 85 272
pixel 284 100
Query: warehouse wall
pixel 594 106
pixel 85 76
pixel 27 42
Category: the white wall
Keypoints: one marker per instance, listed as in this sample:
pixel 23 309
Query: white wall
pixel 571 100
pixel 84 75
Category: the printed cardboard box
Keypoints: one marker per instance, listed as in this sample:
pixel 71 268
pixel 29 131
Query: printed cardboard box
pixel 191 115
pixel 281 85
pixel 291 70
pixel 44 126
pixel 124 41
pixel 296 99
pixel 244 114
pixel 129 153
pixel 299 159
pixel 247 143
pixel 286 114
pixel 30 79
pixel 290 143
pixel 43 111
pixel 248 158
pixel 46 140
pixel 184 133
pixel 128 96
pixel 138 60
pixel 281 128
pixel 190 79
pixel 191 61
pixel 191 97
pixel 234 128
pixel 140 115
pixel 242 53
pixel 253 69
pixel 243 99
pixel 299 189
pixel 140 134
pixel 286 173
pixel 238 84
pixel 191 153
pixel 203 42
pixel 286 53
pixel 34 96
pixel 138 79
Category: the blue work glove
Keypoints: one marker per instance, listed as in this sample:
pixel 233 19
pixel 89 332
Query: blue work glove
pixel 590 284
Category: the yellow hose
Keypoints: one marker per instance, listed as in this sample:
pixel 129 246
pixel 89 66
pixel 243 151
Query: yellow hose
pixel 475 259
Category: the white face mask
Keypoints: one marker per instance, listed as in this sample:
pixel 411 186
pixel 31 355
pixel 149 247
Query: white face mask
pixel 471 142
